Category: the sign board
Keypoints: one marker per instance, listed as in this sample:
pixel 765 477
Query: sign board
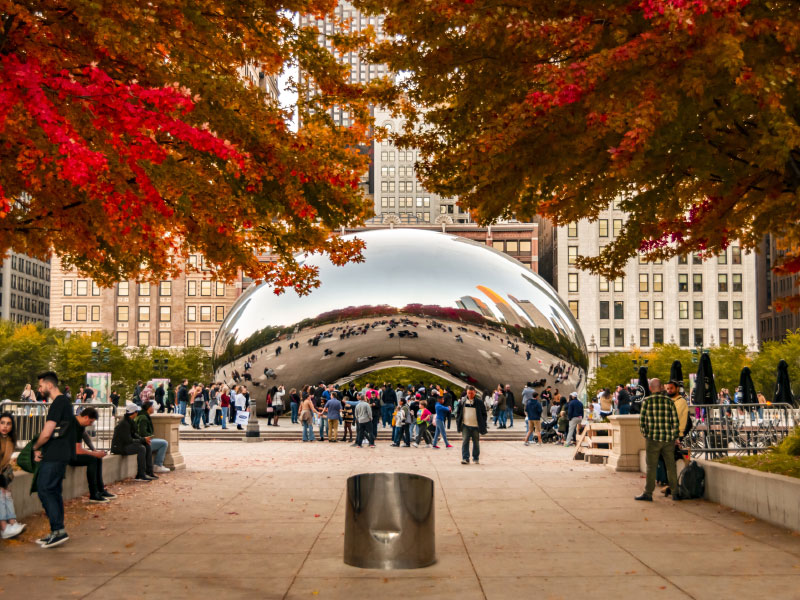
pixel 101 384
pixel 242 417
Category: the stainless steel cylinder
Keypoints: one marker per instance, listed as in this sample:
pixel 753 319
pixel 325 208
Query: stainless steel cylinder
pixel 390 521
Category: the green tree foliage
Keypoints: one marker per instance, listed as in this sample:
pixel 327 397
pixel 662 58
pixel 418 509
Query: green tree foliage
pixel 404 376
pixel 765 364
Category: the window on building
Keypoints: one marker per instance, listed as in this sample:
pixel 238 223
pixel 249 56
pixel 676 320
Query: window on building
pixel 644 338
pixel 696 260
pixel 737 282
pixel 697 309
pixel 499 245
pixel 658 309
pixel 683 260
pixel 683 282
pixel 205 288
pixel 95 289
pixel 191 288
pixel 165 288
pixel 572 255
pixel 658 336
pixel 683 309
pixel 205 313
pixel 723 337
pixel 164 314
pixel 644 282
pixel 82 287
pixel 619 309
pixel 220 287
pixel 619 338
pixel 605 339
pixel 122 288
pixel 603 284
pixel 164 339
pixel 683 337
pixel 603 225
pixel 723 309
pixel 95 313
pixel 144 288
pixel 191 313
pixel 698 337
pixel 191 338
pixel 572 230
pixel 67 285
pixel 122 338
pixel 697 282
pixel 619 284
pixel 205 339
pixel 736 255
pixel 722 282
pixel 80 313
pixel 143 338
pixel 644 309
pixel 604 309
pixel 572 282
pixel 617 227
pixel 122 314
pixel 737 309
pixel 219 313
pixel 525 246
pixel 738 337
pixel 144 313
pixel 722 258
pixel 512 246
pixel 658 282
pixel 67 311
pixel 573 307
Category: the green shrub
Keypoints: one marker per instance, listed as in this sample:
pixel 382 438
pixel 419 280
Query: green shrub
pixel 791 445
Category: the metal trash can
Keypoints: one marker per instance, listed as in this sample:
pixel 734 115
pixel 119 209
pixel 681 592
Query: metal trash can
pixel 390 521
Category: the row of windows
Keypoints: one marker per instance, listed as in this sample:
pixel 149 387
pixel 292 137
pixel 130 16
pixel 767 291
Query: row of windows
pixel 18 263
pixel 81 313
pixel 23 284
pixel 402 186
pixel 658 282
pixel 658 337
pixel 426 216
pixel 81 288
pixel 402 155
pixel 165 338
pixel 143 313
pixel 28 305
pixel 402 171
pixel 406 202
pixel 722 258
pixel 17 318
pixel 736 311
pixel 512 246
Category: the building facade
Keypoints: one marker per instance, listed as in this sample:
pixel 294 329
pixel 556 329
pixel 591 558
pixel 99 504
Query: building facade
pixel 25 289
pixel 773 324
pixel 186 311
pixel 683 301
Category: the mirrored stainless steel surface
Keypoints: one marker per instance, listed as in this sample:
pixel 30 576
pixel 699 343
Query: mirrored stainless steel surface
pixel 389 521
pixel 433 301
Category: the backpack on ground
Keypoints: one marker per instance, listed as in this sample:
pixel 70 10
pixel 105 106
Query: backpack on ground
pixel 692 482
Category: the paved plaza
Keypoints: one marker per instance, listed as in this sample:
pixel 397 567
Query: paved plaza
pixel 266 520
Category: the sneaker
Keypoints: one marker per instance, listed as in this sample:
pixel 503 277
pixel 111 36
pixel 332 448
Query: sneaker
pixel 98 499
pixel 449 446
pixel 464 461
pixel 436 447
pixel 476 461
pixel 56 539
pixel 107 494
pixel 151 476
pixel 12 530
pixel 142 478
pixel 160 469
pixel 644 497
pixel 415 444
pixel 527 443
pixel 44 539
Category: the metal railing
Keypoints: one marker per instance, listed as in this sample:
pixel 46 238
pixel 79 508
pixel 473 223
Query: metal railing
pixel 29 419
pixel 738 429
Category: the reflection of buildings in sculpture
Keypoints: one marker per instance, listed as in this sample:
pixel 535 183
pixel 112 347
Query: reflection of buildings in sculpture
pixel 510 316
pixel 475 304
pixel 534 314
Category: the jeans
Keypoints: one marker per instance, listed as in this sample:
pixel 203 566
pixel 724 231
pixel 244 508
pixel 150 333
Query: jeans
pixel 510 416
pixel 308 431
pixel 573 427
pixel 625 409
pixel 182 411
pixel 470 433
pixel 323 428
pixel 386 414
pixel 293 406
pixel 501 416
pixel 197 414
pixel 7 506
pixel 225 416
pixel 48 484
pixel 365 431
pixel 159 449
pixel 666 450
pixel 440 430
pixel 94 472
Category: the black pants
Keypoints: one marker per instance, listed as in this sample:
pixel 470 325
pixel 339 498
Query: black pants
pixel 144 458
pixel 365 431
pixel 405 434
pixel 348 428
pixel 423 433
pixel 94 472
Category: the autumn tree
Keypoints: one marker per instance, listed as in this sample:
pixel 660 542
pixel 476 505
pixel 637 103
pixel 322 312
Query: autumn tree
pixel 687 110
pixel 129 137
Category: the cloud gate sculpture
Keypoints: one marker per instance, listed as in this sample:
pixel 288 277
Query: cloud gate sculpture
pixel 428 300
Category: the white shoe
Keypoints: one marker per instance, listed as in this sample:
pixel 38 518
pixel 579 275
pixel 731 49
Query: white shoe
pixel 160 469
pixel 13 530
pixel 415 444
pixel 527 443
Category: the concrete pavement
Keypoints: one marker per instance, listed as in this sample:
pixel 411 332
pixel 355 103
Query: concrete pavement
pixel 267 520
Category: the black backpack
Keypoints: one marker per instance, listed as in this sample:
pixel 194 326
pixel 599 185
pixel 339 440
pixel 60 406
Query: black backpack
pixel 692 482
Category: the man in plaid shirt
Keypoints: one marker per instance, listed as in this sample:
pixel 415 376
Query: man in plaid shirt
pixel 659 423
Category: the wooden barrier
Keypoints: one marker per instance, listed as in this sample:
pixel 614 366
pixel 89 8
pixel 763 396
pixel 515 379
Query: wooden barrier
pixel 595 441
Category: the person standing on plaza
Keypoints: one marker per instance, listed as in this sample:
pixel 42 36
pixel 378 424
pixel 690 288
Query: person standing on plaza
pixel 471 423
pixel 196 398
pixel 240 402
pixel 424 417
pixel 9 526
pixel 623 400
pixel 533 409
pixel 347 419
pixel 277 404
pixel 183 400
pixel 373 398
pixel 575 416
pixel 660 426
pixel 442 412
pixel 28 395
pixel 54 449
pixel 388 403
pixel 158 447
pixel 294 404
pixel 158 397
pixel 364 422
pixel 510 405
pixel 307 412
pixel 333 410
pixel 547 397
pixel 224 405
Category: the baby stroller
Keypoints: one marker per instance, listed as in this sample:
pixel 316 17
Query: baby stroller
pixel 549 431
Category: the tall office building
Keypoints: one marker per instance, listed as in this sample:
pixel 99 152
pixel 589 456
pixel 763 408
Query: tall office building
pixel 24 289
pixel 685 301
pixel 186 311
pixel 774 324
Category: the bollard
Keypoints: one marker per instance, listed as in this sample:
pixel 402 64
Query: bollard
pixel 389 522
pixel 252 433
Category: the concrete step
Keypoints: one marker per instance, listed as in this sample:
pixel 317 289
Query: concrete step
pixel 293 435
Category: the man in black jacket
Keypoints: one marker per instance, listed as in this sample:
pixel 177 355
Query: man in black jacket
pixel 471 422
pixel 388 403
pixel 127 441
pixel 623 401
pixel 183 400
pixel 510 405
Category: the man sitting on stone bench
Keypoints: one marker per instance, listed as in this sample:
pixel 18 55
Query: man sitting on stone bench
pixel 127 441
pixel 91 459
